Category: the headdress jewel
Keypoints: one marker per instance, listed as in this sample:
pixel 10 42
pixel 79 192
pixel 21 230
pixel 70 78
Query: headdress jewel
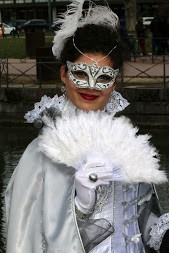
pixel 76 17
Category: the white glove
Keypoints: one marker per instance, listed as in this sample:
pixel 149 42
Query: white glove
pixel 85 188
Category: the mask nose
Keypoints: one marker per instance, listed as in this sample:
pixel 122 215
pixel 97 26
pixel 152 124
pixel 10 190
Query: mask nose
pixel 92 82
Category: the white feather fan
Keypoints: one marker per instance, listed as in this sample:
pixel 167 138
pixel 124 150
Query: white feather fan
pixel 73 139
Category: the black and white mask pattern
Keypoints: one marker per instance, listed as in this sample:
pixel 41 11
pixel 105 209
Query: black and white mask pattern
pixel 91 76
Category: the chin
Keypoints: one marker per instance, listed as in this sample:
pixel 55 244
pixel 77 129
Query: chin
pixel 89 107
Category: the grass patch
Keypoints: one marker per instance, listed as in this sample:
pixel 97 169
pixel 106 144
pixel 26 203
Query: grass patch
pixel 12 48
pixel 16 47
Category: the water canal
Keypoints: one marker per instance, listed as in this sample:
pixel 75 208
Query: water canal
pixel 13 141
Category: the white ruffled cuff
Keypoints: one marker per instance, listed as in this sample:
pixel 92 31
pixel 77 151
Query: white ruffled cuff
pixel 158 231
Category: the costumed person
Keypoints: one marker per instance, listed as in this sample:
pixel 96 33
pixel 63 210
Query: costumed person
pixel 141 35
pixel 155 28
pixel 86 183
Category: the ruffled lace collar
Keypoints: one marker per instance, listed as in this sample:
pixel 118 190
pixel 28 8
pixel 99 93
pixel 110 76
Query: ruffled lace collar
pixel 61 104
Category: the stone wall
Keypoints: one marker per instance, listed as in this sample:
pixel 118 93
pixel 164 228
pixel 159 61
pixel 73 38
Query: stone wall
pixel 147 105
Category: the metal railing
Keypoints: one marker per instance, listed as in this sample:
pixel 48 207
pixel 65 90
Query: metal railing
pixel 137 70
pixel 28 72
pixel 142 69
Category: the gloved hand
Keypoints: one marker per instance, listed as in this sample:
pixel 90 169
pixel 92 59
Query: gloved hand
pixel 85 188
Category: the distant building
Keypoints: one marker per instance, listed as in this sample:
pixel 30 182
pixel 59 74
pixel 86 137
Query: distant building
pixel 12 10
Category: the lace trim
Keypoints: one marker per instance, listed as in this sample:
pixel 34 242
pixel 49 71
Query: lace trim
pixel 158 231
pixel 46 102
pixel 103 193
pixel 115 104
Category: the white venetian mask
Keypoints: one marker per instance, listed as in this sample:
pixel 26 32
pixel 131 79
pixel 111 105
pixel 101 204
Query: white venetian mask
pixel 91 76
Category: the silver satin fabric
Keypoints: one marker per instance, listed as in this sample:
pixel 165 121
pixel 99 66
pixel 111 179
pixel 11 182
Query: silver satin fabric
pixel 37 203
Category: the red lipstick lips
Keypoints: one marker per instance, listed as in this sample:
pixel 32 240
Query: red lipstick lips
pixel 88 96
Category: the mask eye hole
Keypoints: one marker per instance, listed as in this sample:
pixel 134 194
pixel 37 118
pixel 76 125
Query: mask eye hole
pixel 104 79
pixel 80 75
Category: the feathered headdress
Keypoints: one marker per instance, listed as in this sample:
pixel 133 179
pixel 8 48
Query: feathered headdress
pixel 76 16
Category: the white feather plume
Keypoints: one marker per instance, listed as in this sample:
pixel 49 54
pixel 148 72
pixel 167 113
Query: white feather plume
pixel 68 23
pixel 100 15
pixel 74 139
pixel 76 17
